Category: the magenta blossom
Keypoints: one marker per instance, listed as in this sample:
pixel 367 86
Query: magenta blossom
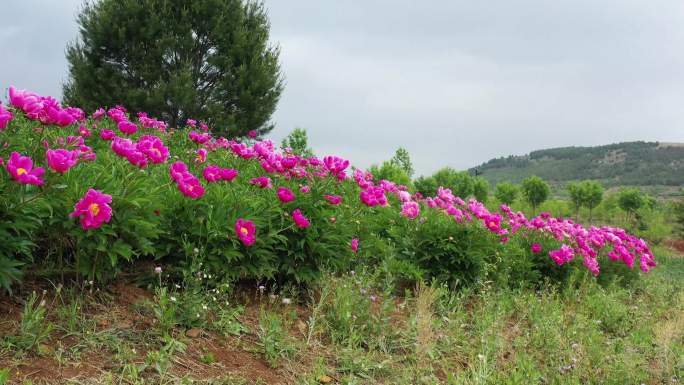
pixel 410 210
pixel 252 134
pixel 98 114
pixel 304 189
pixel 285 195
pixel 300 220
pixel 536 248
pixel 201 155
pixel 228 174
pixel 191 187
pixel 62 160
pixel 93 209
pixel 178 171
pixel 153 148
pixel 354 245
pixel 333 199
pixel 245 231
pixel 563 255
pixel 84 131
pixel 5 117
pixel 212 173
pixel 128 128
pixel 262 182
pixel 107 134
pixel 21 169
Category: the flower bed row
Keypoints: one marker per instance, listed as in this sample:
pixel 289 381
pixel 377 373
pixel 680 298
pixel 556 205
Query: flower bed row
pixel 140 188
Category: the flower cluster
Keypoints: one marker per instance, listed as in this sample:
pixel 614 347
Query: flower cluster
pixel 572 240
pixel 44 108
pixel 148 149
pixel 187 183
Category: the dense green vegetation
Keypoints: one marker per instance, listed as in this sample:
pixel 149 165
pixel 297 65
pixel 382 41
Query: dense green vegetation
pixel 209 60
pixel 631 163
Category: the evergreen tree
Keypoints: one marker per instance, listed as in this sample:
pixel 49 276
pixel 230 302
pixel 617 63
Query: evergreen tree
pixel 208 60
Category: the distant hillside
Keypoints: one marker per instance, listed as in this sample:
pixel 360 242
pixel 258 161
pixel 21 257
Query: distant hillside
pixel 629 163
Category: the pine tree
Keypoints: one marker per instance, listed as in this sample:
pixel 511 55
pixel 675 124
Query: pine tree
pixel 208 60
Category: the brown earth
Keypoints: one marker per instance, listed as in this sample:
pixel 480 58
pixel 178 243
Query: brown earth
pixel 234 356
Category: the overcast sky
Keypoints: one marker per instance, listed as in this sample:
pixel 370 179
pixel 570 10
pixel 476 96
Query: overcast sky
pixel 455 82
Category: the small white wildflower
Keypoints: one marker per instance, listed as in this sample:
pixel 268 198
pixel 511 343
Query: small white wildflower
pixel 158 270
pixel 172 298
pixel 286 301
pixel 195 250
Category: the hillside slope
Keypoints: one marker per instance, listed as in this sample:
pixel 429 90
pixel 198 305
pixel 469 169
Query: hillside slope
pixel 629 163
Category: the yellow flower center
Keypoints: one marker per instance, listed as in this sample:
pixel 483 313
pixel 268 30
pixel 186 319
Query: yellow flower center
pixel 94 208
pixel 21 171
pixel 244 231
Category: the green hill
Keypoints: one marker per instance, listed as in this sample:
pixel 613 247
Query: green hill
pixel 629 163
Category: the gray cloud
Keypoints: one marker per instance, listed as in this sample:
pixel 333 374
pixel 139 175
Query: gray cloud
pixel 455 82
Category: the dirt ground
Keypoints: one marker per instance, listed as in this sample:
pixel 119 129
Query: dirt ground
pixel 231 356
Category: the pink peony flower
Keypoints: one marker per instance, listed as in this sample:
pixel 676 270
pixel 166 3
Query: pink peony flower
pixel 304 189
pixel 252 134
pixel 199 138
pixel 153 148
pixel 285 195
pixel 5 117
pixel 62 160
pixel 536 248
pixel 410 210
pixel 212 173
pixel 21 169
pixel 354 245
pixel 84 131
pixel 300 220
pixel 93 209
pixel 228 174
pixel 333 199
pixel 191 122
pixel 178 171
pixel 245 231
pixel 563 255
pixel 99 113
pixel 201 155
pixel 107 134
pixel 128 128
pixel 191 187
pixel 262 182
